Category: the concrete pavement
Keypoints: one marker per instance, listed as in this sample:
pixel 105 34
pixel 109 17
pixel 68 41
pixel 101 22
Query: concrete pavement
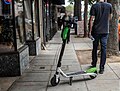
pixel 42 69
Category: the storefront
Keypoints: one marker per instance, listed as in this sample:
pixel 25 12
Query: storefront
pixel 21 32
pixel 19 35
pixel 32 26
pixel 50 18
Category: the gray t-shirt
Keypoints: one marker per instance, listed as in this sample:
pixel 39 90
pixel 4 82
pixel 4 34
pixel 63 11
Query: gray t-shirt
pixel 101 11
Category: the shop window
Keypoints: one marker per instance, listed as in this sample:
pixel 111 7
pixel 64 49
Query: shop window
pixel 35 18
pixel 12 32
pixel 31 20
pixel 5 7
pixel 6 28
pixel 19 21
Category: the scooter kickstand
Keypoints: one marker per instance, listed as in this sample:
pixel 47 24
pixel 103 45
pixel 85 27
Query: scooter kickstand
pixel 70 80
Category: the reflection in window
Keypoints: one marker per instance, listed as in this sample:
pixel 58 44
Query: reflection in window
pixel 35 13
pixel 28 26
pixel 28 19
pixel 6 28
pixel 19 23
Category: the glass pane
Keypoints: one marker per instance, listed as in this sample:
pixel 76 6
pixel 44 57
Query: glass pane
pixel 28 20
pixel 35 18
pixel 6 27
pixel 19 23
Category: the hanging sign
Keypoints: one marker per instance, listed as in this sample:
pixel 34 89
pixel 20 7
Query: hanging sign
pixel 7 1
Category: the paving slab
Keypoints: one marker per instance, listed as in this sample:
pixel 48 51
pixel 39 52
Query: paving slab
pixel 38 69
pixel 6 82
pixel 47 51
pixel 90 45
pixel 114 65
pixel 117 72
pixel 69 57
pixel 70 62
pixel 29 86
pixel 68 68
pixel 55 47
pixel 31 58
pixel 45 55
pixel 34 77
pixel 69 53
pixel 76 39
pixel 82 46
pixel 103 85
pixel 49 57
pixel 64 86
pixel 56 39
pixel 108 75
pixel 46 62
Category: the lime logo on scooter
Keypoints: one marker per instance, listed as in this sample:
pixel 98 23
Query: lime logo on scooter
pixel 65 32
pixel 7 1
pixel 91 70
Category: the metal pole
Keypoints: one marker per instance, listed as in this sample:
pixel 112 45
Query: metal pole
pixel 32 20
pixel 14 26
pixel 46 22
pixel 38 16
pixel 24 21
pixel 50 18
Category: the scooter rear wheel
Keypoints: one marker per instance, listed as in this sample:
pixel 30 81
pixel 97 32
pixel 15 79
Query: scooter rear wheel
pixel 53 81
pixel 92 77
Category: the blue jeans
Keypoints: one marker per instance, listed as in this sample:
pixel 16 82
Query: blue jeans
pixel 103 41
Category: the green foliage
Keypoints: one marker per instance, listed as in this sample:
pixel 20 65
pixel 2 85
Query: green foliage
pixel 70 1
pixel 69 8
pixel 90 1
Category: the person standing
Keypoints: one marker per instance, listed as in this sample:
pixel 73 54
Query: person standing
pixel 101 12
pixel 59 21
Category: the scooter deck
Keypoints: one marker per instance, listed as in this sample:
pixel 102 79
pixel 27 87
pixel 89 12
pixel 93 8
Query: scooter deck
pixel 76 73
pixel 84 73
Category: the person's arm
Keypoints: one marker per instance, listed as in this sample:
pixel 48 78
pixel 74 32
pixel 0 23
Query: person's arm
pixel 110 15
pixel 90 25
pixel 92 16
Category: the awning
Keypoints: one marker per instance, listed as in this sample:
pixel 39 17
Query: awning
pixel 45 1
pixel 58 2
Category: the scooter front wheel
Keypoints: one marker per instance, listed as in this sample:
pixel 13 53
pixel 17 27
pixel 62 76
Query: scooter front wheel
pixel 92 77
pixel 54 81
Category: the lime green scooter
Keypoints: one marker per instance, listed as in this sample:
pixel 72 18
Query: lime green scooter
pixel 92 72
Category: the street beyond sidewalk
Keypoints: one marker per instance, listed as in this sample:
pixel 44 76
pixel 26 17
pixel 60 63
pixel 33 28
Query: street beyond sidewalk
pixel 42 69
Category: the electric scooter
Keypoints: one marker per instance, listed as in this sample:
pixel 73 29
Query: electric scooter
pixel 92 72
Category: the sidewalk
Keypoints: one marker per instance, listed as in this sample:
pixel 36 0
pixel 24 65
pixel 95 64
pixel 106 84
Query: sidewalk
pixel 42 68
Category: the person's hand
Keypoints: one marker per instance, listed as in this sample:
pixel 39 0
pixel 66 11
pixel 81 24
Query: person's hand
pixel 89 34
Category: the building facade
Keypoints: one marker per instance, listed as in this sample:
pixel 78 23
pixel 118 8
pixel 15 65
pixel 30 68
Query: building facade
pixel 25 25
